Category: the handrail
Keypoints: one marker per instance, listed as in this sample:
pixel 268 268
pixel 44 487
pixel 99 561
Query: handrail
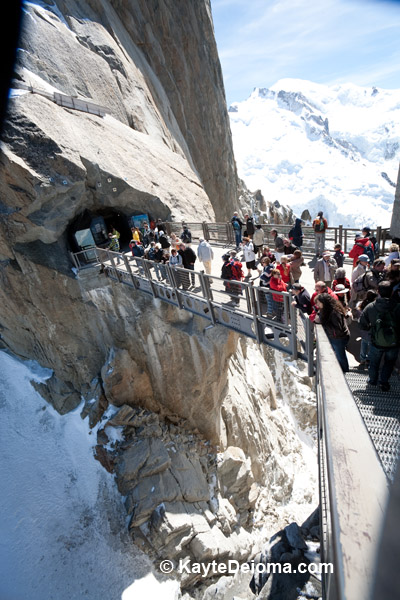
pixel 249 310
pixel 223 233
pixel 353 486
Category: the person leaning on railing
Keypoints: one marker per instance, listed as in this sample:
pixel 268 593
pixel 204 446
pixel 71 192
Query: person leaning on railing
pixel 332 316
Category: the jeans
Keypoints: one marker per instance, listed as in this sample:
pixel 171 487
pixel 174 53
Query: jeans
pixel 389 360
pixel 364 350
pixel 339 348
pixel 238 237
pixel 319 243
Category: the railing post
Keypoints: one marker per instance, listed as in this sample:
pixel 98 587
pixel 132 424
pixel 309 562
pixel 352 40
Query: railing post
pixel 128 268
pixel 206 234
pixel 293 320
pixel 341 235
pixel 345 241
pixel 74 260
pixel 173 274
pixel 309 346
pixel 254 306
pixel 146 267
pixel 111 259
pixel 205 286
pixel 380 240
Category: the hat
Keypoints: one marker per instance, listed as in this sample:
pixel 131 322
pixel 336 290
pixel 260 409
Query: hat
pixel 297 286
pixel 366 229
pixel 363 258
pixel 226 256
pixel 326 253
pixel 340 289
pixel 357 236
pixel 201 239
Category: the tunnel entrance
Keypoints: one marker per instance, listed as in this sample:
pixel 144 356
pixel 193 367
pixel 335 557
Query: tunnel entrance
pixel 91 228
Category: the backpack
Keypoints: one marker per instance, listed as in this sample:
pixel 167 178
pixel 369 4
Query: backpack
pixel 384 333
pixel 237 272
pixel 359 285
pixel 235 224
pixel 226 271
pixel 369 250
pixel 319 225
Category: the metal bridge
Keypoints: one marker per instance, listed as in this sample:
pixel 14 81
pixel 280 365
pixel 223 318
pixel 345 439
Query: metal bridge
pixel 358 426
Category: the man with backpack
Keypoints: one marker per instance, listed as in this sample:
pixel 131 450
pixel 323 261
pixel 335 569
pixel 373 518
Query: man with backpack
pixel 232 272
pixel 362 245
pixel 320 225
pixel 237 228
pixel 366 231
pixel 186 235
pixel 383 320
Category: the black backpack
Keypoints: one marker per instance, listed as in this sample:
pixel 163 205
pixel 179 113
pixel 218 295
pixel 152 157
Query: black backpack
pixel 384 333
pixel 226 271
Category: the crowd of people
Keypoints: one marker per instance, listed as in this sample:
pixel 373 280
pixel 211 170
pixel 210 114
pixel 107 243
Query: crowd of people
pixel 366 293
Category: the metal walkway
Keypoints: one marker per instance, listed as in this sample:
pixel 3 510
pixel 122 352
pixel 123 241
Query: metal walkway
pixel 381 414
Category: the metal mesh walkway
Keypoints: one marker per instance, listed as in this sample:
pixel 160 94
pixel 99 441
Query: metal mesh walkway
pixel 381 414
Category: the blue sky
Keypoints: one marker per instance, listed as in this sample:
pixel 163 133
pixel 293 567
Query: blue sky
pixel 326 41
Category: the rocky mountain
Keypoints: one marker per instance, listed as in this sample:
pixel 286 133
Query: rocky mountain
pixel 170 406
pixel 316 147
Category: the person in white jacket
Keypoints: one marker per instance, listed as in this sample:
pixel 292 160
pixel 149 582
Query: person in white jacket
pixel 205 255
pixel 258 240
pixel 249 256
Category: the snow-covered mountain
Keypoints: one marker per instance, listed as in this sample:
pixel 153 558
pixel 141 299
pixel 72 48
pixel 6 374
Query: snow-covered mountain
pixel 316 147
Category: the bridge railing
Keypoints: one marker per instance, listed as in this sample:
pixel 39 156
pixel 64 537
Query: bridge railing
pixel 264 315
pixel 353 486
pixel 223 234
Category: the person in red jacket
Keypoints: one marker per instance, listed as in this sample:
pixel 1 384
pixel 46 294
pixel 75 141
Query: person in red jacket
pixel 278 285
pixel 320 288
pixel 360 247
pixel 284 269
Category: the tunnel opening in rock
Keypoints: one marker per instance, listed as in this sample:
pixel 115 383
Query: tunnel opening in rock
pixel 91 228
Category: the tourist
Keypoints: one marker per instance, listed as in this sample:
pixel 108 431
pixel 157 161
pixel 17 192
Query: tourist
pixel 320 225
pixel 249 256
pixel 321 288
pixel 338 255
pixel 277 285
pixel 302 298
pixel 237 228
pixel 175 260
pixel 136 248
pixel 186 235
pixel 362 245
pixel 205 255
pixel 358 290
pixel 267 252
pixel 325 268
pixel 258 240
pixel 175 241
pixel 331 315
pixel 295 263
pixel 284 269
pixel 232 274
pixel 393 254
pixel 365 334
pixel 249 224
pixel 163 240
pixel 265 279
pixel 136 235
pixel 188 260
pixel 341 279
pixel 383 320
pixel 288 247
pixel 296 234
pixel 366 232
pixel 278 243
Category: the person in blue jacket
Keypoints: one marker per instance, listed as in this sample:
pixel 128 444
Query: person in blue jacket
pixel 296 234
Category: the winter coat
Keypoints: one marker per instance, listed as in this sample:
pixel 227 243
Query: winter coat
pixel 250 226
pixel 164 242
pixel 279 286
pixel 358 271
pixel 205 252
pixel 339 257
pixel 248 251
pixel 279 245
pixel 175 261
pixel 373 311
pixel 391 256
pixel 296 234
pixel 327 291
pixel 303 302
pixel 265 276
pixel 342 281
pixel 238 221
pixel 289 249
pixel 359 248
pixel 258 237
pixel 319 271
pixel 295 265
pixel 336 326
pixel 373 279
pixel 188 257
pixel 285 272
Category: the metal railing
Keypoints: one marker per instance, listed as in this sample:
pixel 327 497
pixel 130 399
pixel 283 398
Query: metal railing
pixel 264 315
pixel 223 234
pixel 353 485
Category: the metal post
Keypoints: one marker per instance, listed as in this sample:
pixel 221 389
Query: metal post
pixel 254 306
pixel 309 350
pixel 111 259
pixel 293 320
pixel 345 241
pixel 380 240
pixel 205 231
pixel 74 260
pixel 205 286
pixel 147 271
pixel 341 235
pixel 128 268
pixel 173 277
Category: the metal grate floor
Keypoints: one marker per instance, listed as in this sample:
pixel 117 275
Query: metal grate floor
pixel 381 414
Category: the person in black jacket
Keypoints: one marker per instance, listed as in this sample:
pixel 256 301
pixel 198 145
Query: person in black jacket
pixel 302 298
pixel 296 234
pixel 383 319
pixel 249 226
pixel 188 260
pixel 331 315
